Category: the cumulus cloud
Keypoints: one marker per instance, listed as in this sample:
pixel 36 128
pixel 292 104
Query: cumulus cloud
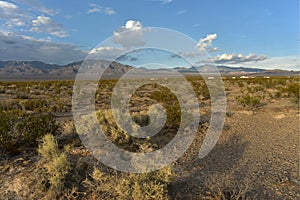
pixel 206 43
pixel 24 19
pixel 238 58
pixel 95 8
pixel 130 35
pixel 106 53
pixel 13 15
pixel 202 45
pixel 43 24
pixel 20 47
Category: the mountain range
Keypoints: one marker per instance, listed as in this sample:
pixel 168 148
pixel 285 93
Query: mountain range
pixel 37 70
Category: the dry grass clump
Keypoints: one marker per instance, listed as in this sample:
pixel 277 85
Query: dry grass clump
pixel 218 189
pixel 55 164
pixel 104 185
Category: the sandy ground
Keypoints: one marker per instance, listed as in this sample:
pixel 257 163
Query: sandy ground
pixel 257 156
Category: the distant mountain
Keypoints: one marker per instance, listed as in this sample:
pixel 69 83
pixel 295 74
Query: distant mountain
pixel 40 70
pixel 37 65
pixel 237 71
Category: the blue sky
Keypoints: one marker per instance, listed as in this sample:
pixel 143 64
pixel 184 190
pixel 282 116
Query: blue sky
pixel 235 33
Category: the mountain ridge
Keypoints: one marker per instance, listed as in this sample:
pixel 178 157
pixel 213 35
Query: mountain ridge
pixel 40 70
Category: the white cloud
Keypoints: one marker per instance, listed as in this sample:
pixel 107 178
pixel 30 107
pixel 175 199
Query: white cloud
pixel 282 62
pixel 20 47
pixel 13 15
pixel 27 19
pixel 43 24
pixel 36 5
pixel 181 12
pixel 106 53
pixel 130 35
pixel 206 43
pixel 213 49
pixel 238 58
pixel 163 1
pixel 94 8
pixel 7 6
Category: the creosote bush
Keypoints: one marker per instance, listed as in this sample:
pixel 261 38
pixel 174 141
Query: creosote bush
pixel 293 90
pixel 36 126
pixel 19 128
pixel 7 130
pixel 249 100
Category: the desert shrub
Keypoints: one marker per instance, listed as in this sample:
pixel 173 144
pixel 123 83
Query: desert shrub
pixel 255 89
pixel 10 105
pixel 55 164
pixel 201 89
pixel 34 127
pixel 34 104
pixel 277 94
pixel 240 84
pixel 22 95
pixel 2 89
pixel 171 105
pixel 293 90
pixel 18 128
pixel 249 100
pixel 7 126
pixel 123 186
pixel 60 105
pixel 111 128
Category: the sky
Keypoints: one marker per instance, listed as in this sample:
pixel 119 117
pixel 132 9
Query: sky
pixel 263 34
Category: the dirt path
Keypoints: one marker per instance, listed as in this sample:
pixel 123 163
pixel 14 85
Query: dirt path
pixel 257 156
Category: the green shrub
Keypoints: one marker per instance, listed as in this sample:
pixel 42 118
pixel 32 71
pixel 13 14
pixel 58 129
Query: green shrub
pixel 249 100
pixel 35 126
pixel 294 91
pixel 34 104
pixel 7 126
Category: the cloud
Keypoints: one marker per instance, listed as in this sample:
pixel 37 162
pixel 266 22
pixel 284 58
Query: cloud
pixel 203 45
pixel 106 53
pixel 26 19
pixel 36 5
pixel 21 47
pixel 282 62
pixel 130 35
pixel 163 1
pixel 180 12
pixel 237 58
pixel 206 43
pixel 13 15
pixel 95 8
pixel 43 24
pixel 7 8
pixel 192 54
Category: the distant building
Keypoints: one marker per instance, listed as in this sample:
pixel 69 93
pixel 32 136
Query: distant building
pixel 244 76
